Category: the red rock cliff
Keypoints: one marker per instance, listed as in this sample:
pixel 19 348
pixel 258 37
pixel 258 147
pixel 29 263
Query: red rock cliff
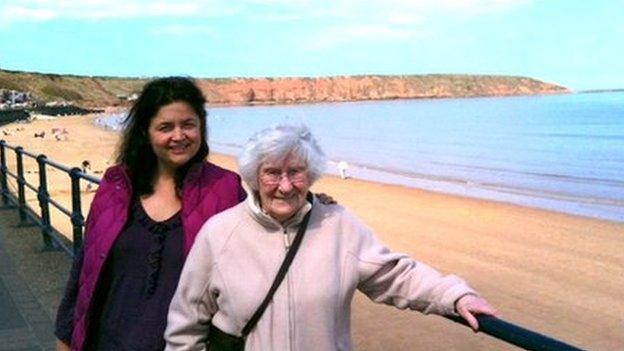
pixel 328 89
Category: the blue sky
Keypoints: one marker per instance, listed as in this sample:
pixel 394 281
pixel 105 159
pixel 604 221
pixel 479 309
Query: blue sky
pixel 578 44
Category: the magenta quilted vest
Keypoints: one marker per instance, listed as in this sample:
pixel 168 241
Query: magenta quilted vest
pixel 207 190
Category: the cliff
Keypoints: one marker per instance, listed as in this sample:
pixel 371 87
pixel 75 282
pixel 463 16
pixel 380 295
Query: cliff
pixel 82 90
pixel 108 91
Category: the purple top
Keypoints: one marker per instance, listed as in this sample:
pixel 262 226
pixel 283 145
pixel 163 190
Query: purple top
pixel 138 280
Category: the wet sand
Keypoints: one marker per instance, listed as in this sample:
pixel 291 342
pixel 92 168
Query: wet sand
pixel 558 274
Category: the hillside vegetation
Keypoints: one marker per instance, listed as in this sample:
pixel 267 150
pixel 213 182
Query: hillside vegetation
pixel 109 91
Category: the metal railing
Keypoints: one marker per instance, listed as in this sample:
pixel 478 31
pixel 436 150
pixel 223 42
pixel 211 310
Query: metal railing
pixel 52 238
pixel 516 335
pixel 495 327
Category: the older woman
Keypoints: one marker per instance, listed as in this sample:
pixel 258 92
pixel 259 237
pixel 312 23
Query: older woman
pixel 238 252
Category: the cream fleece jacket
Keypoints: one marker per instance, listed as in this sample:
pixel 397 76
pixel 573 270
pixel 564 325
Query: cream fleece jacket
pixel 237 254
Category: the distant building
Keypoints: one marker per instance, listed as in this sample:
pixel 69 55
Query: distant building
pixel 14 98
pixel 131 97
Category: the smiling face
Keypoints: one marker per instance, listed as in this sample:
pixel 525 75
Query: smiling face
pixel 282 187
pixel 175 135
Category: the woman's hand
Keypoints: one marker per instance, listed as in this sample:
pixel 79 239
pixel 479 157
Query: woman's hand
pixel 61 346
pixel 470 305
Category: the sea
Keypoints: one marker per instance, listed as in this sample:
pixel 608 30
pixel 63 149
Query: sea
pixel 563 153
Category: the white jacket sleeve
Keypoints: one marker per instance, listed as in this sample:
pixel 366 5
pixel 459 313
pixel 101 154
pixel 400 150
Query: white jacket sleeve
pixel 192 306
pixel 398 280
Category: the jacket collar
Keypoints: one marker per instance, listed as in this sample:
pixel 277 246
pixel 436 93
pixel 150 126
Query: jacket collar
pixel 119 175
pixel 259 215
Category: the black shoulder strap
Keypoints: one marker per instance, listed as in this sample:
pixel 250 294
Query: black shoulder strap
pixel 280 275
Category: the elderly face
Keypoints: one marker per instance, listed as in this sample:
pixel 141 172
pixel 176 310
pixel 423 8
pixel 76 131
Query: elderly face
pixel 282 187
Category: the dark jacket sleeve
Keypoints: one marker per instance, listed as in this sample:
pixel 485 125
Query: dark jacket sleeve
pixel 64 326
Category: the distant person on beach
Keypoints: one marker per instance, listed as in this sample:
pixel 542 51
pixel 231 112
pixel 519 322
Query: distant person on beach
pixel 142 223
pixel 343 166
pixel 86 167
pixel 60 134
pixel 233 264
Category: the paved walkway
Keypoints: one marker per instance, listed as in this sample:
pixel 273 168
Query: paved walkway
pixel 24 323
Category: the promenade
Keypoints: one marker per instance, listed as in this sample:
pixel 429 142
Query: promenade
pixel 30 286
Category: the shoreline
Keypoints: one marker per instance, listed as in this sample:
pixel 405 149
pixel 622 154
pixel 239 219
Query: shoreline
pixel 431 97
pixel 229 161
pixel 543 270
pixel 465 189
pixel 209 104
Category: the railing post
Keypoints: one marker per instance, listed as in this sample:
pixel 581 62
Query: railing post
pixel 21 195
pixel 4 188
pixel 43 196
pixel 77 219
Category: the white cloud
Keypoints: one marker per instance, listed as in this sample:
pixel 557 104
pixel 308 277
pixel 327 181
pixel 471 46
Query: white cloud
pixel 404 18
pixel 352 22
pixel 275 17
pixel 17 12
pixel 183 30
pixel 349 9
pixel 479 7
pixel 387 10
pixel 455 6
pixel 348 34
pixel 43 10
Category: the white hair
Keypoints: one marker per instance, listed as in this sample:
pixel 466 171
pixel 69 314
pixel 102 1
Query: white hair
pixel 275 144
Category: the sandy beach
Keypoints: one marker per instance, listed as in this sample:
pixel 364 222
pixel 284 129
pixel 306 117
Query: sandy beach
pixel 557 274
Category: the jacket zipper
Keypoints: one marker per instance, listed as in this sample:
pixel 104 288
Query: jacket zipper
pixel 286 240
pixel 288 290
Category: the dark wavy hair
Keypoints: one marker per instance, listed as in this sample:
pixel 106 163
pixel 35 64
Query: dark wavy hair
pixel 135 151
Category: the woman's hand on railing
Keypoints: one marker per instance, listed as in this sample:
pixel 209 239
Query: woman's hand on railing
pixel 470 305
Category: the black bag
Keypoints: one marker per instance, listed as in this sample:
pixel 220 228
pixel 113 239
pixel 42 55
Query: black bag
pixel 219 340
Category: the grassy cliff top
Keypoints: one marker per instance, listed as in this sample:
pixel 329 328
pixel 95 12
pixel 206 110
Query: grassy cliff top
pixel 108 91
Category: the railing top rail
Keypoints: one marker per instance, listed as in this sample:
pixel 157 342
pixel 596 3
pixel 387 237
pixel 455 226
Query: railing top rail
pixel 52 163
pixel 29 154
pixel 58 165
pixel 89 177
pixel 7 145
pixel 516 335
